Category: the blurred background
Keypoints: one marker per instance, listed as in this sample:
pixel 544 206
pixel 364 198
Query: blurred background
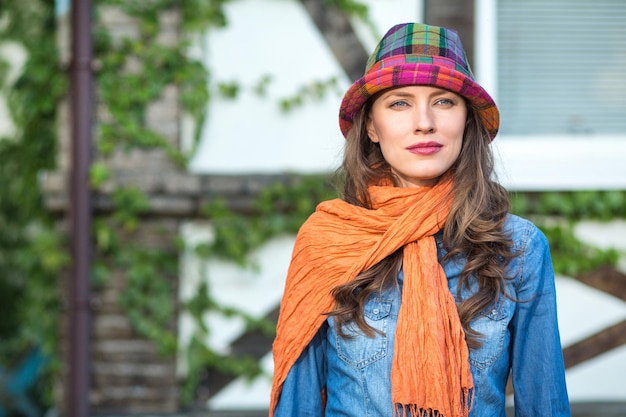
pixel 157 158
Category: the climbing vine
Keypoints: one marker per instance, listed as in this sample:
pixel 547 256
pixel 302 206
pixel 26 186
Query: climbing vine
pixel 556 214
pixel 132 73
pixel 32 254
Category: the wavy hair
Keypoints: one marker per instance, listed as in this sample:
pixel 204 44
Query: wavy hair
pixel 473 229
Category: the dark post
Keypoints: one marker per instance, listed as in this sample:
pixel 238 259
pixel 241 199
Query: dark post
pixel 78 348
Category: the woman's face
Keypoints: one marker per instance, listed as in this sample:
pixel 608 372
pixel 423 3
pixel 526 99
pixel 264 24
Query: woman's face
pixel 420 131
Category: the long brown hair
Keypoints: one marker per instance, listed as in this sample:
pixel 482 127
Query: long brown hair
pixel 473 229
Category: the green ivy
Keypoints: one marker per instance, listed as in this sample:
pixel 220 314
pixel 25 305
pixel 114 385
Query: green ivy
pixel 147 297
pixel 602 205
pixel 279 209
pixel 200 357
pixel 556 212
pixel 570 256
pixel 32 251
pixel 132 74
pixel 314 91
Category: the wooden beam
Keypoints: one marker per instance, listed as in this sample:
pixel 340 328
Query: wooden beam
pixel 606 279
pixel 595 345
pixel 252 344
pixel 336 28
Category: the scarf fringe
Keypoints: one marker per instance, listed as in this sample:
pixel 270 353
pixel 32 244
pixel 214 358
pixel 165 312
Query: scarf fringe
pixel 413 410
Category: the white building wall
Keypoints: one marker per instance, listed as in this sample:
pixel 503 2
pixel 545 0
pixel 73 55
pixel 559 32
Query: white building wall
pixel 251 134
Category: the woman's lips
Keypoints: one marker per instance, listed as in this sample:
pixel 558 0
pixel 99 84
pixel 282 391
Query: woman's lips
pixel 425 148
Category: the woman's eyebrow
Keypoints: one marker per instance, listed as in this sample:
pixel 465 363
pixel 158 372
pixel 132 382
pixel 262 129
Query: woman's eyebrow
pixel 403 94
pixel 400 94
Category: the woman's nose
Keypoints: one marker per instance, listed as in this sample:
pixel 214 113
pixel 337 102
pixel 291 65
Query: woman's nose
pixel 423 120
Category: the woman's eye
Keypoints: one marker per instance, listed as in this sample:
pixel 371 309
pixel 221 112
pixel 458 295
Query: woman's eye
pixel 445 101
pixel 399 103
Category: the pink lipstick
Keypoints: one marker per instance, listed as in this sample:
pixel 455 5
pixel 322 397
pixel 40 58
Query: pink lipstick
pixel 425 148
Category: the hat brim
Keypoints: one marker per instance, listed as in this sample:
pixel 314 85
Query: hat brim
pixel 418 74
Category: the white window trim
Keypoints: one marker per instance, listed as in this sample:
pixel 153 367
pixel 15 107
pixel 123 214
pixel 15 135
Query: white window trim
pixel 544 162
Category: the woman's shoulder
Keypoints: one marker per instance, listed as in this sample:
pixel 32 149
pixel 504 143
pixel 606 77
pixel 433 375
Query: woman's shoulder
pixel 530 266
pixel 523 232
pixel 514 222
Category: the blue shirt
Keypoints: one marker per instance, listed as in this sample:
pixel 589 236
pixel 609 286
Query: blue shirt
pixel 521 340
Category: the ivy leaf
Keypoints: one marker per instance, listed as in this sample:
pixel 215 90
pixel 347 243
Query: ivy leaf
pixel 99 174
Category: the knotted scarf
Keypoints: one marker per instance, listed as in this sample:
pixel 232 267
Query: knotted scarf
pixel 430 368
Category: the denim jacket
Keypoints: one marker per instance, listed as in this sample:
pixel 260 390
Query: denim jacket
pixel 521 339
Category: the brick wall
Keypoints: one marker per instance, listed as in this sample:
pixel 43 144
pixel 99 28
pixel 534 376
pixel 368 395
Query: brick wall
pixel 128 374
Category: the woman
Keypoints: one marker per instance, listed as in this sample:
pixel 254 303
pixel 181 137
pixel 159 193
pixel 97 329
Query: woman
pixel 417 293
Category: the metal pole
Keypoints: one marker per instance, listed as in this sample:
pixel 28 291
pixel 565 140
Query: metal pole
pixel 78 360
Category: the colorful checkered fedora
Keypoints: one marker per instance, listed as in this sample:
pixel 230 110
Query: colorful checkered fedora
pixel 418 54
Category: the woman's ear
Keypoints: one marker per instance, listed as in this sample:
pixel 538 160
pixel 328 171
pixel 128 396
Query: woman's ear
pixel 371 130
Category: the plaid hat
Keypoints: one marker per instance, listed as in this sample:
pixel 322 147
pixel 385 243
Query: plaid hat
pixel 418 54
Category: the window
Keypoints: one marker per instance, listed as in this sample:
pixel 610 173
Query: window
pixel 556 69
pixel 562 66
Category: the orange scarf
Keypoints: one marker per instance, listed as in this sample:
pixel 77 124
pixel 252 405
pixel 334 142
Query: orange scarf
pixel 430 369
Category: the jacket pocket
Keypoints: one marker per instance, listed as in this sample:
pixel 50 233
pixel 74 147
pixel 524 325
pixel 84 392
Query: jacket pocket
pixel 357 349
pixel 492 325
